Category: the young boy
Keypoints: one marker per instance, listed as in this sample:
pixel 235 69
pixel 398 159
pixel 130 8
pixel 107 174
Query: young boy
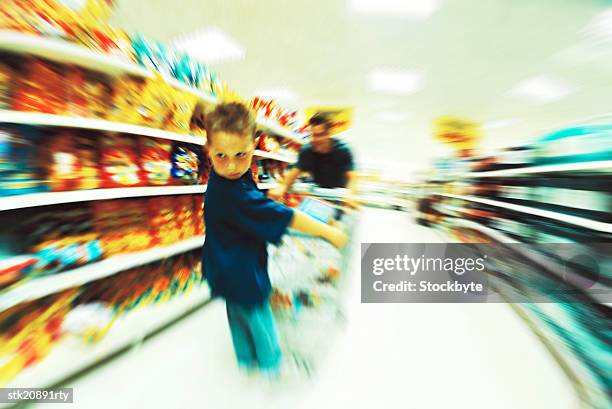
pixel 240 221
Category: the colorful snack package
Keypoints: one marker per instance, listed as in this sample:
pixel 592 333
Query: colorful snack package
pixel 41 88
pixel 181 111
pixel 127 100
pixel 19 173
pixel 86 148
pixel 119 162
pixel 198 214
pixel 186 163
pixel 155 160
pixel 76 92
pixel 255 170
pixel 197 123
pixel 185 217
pixel 7 78
pixel 98 93
pixel 157 104
pixel 62 163
pixel 163 221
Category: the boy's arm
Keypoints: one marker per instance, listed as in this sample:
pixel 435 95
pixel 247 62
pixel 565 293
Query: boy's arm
pixel 306 224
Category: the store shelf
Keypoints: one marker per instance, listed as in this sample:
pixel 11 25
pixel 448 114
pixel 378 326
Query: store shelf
pixel 38 119
pixel 52 198
pixel 72 356
pixel 269 155
pixel 267 185
pixel 595 166
pixel 62 51
pixel 274 128
pixel 204 97
pixel 494 234
pixel 566 218
pixel 560 271
pixel 44 286
pixel 314 190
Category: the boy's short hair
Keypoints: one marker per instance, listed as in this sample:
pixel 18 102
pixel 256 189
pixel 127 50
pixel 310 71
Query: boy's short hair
pixel 230 117
pixel 320 118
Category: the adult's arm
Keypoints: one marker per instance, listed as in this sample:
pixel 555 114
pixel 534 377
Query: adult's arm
pixel 285 184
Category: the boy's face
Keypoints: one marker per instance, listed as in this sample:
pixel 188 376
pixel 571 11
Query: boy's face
pixel 231 154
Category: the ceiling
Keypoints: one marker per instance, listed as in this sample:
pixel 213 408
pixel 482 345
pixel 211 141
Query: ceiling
pixel 470 53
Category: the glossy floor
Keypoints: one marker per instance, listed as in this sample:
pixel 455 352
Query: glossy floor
pixel 424 356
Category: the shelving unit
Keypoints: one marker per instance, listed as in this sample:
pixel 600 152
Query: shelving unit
pixel 62 51
pixel 38 119
pixel 52 198
pixel 566 218
pixel 41 287
pixel 274 156
pixel 594 166
pixel 69 356
pixel 274 128
pixel 72 356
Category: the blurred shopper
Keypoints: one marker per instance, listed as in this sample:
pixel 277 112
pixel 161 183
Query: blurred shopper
pixel 329 160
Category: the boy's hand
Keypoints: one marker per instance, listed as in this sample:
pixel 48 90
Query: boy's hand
pixel 337 238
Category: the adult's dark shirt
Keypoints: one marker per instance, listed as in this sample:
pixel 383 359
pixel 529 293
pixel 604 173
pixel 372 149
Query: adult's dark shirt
pixel 328 169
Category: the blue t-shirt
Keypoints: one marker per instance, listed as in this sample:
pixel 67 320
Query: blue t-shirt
pixel 240 221
pixel 328 169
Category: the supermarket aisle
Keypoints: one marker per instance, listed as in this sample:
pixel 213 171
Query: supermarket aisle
pixel 389 356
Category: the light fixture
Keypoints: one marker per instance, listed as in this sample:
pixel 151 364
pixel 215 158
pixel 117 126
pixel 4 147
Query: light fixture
pixel 210 45
pixel 420 9
pixel 390 116
pixel 395 81
pixel 281 94
pixel 542 89
pixel 500 124
pixel 600 27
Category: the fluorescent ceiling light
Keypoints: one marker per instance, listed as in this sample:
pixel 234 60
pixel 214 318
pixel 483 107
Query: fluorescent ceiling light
pixel 600 27
pixel 210 45
pixel 542 89
pixel 391 116
pixel 421 9
pixel 394 81
pixel 281 94
pixel 500 124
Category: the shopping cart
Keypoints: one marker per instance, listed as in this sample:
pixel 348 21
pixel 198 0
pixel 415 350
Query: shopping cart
pixel 307 274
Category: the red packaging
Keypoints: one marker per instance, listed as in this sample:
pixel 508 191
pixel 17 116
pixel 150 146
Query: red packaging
pixel 86 149
pixel 163 223
pixel 98 92
pixel 122 225
pixel 7 82
pixel 198 214
pixel 119 162
pixel 185 216
pixel 76 92
pixel 62 162
pixel 42 88
pixel 155 160
pixel 255 171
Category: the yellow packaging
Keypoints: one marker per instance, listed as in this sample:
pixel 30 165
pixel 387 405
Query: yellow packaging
pixel 182 109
